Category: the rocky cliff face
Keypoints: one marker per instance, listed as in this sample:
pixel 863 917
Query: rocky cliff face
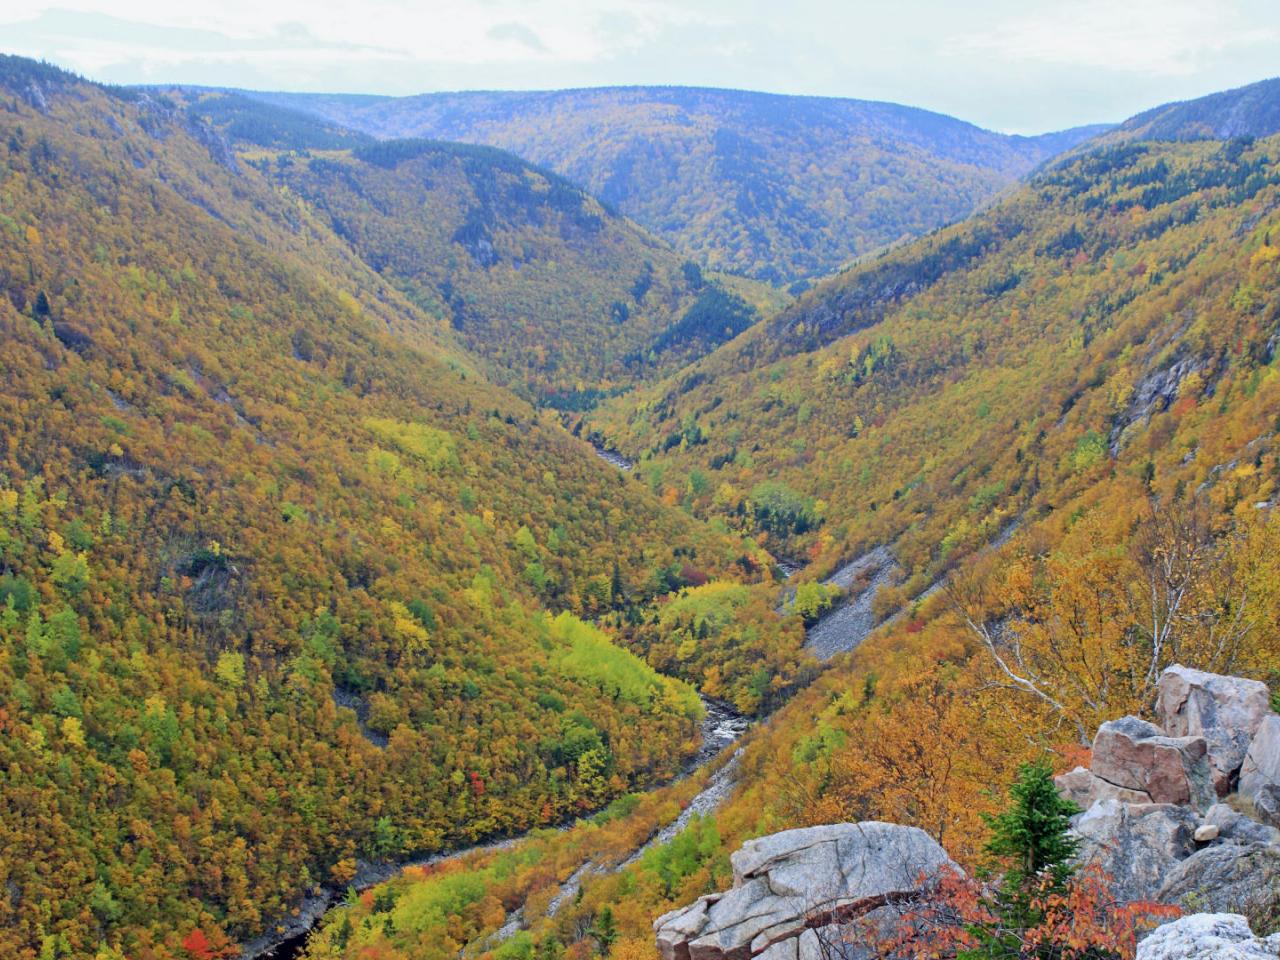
pixel 789 886
pixel 1166 802
pixel 1184 811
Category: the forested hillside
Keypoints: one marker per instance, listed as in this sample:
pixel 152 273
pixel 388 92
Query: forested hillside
pixel 298 576
pixel 1061 328
pixel 1252 111
pixel 245 481
pixel 567 300
pixel 1063 415
pixel 778 188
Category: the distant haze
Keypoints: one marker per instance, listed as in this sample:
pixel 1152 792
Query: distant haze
pixel 1022 66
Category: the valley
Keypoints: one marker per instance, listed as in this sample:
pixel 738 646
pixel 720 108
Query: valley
pixel 720 729
pixel 503 525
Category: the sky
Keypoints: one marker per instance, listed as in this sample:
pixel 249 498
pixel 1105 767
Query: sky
pixel 1020 66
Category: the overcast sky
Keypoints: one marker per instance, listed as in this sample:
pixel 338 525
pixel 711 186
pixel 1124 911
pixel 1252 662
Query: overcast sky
pixel 1023 66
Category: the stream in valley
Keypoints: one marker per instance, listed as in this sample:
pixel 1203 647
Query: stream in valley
pixel 613 458
pixel 721 726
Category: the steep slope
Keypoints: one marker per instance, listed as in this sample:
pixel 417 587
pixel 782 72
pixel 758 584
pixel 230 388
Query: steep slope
pixel 566 300
pixel 1095 359
pixel 776 187
pixel 1250 111
pixel 1043 328
pixel 244 481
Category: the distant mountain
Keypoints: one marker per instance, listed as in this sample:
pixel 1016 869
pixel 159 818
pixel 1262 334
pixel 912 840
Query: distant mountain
pixel 266 125
pixel 1252 111
pixel 775 187
pixel 564 298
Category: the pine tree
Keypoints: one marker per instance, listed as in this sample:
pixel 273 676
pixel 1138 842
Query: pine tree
pixel 617 591
pixel 1032 848
pixel 1033 835
pixel 605 928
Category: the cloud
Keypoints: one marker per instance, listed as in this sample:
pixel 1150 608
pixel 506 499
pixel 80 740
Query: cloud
pixel 100 44
pixel 1008 64
pixel 517 33
pixel 1161 37
pixel 153 35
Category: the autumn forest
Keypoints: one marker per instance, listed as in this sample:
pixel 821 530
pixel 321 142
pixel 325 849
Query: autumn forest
pixel 452 525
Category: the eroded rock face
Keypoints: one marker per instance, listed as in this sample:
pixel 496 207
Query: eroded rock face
pixel 1226 711
pixel 1132 754
pixel 1207 936
pixel 1137 844
pixel 1261 767
pixel 788 883
pixel 1224 876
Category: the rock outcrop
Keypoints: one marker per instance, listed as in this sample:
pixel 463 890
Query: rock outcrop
pixel 788 886
pixel 1233 825
pixel 1136 756
pixel 1208 936
pixel 1138 844
pixel 1224 877
pixel 1260 768
pixel 1213 732
pixel 1153 822
pixel 1226 711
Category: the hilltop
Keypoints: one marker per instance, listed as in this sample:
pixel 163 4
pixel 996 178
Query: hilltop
pixel 780 188
pixel 1249 111
pixel 564 300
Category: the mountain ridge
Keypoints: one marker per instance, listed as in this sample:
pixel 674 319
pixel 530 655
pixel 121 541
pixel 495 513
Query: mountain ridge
pixel 776 186
pixel 1251 110
pixel 564 299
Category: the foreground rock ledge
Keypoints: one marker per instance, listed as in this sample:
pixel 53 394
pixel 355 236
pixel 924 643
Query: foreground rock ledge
pixel 787 884
pixel 1208 936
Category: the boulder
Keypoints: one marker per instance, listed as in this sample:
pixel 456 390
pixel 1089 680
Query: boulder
pixel 1136 844
pixel 1082 788
pixel 1078 786
pixel 1132 754
pixel 1225 877
pixel 1266 804
pixel 1261 766
pixel 1226 711
pixel 1233 825
pixel 802 880
pixel 1207 936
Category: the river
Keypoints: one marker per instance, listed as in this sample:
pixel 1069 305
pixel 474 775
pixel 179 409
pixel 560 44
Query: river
pixel 612 457
pixel 721 726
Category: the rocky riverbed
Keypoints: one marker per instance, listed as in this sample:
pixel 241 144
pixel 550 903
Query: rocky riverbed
pixel 613 457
